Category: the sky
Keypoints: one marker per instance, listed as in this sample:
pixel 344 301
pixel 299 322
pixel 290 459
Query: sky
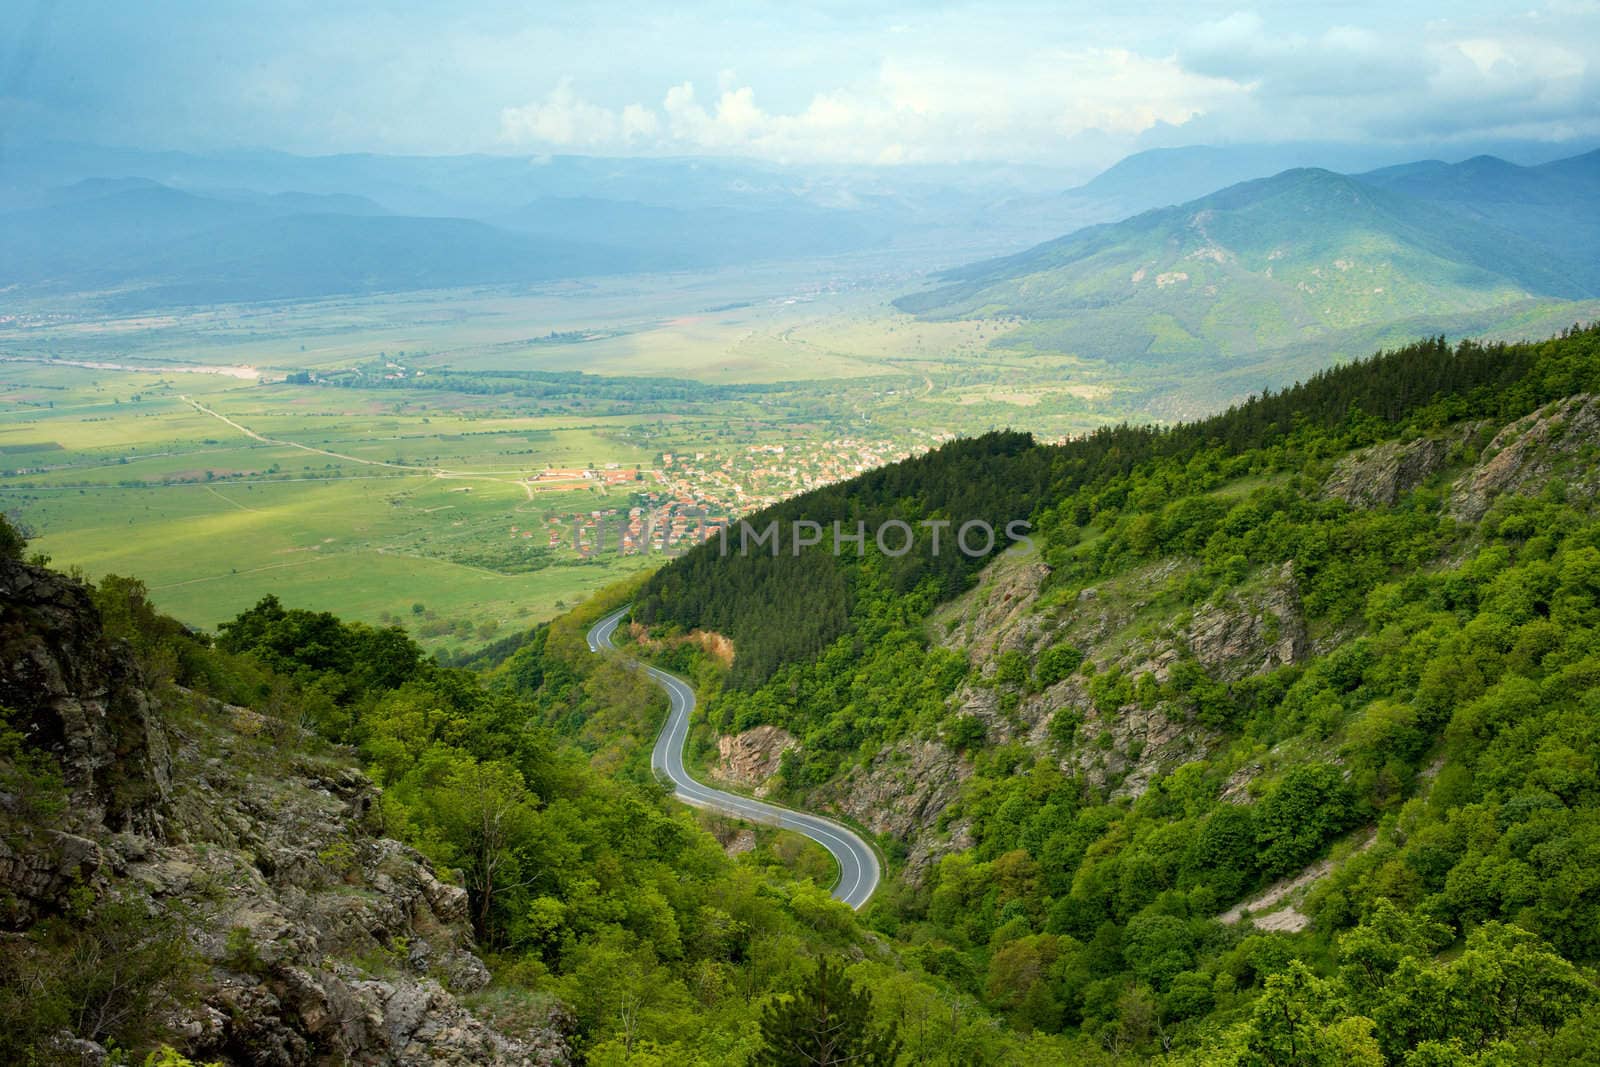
pixel 803 83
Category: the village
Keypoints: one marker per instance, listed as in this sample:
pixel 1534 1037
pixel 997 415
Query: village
pixel 691 496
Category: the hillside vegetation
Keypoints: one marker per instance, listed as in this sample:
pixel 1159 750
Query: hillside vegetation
pixel 1274 747
pixel 1305 257
pixel 303 842
pixel 1277 749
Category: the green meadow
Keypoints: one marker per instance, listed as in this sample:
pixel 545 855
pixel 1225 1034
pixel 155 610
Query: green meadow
pixel 379 467
pixel 363 503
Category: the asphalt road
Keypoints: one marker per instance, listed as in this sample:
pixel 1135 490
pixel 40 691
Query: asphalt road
pixel 858 865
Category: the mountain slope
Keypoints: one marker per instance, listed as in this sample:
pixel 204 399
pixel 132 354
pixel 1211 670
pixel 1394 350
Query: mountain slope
pixel 159 246
pixel 1552 205
pixel 1161 177
pixel 191 860
pixel 1331 654
pixel 1257 266
pixel 176 869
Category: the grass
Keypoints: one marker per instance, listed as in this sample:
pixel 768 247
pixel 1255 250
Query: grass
pixel 213 519
pixel 367 547
pixel 115 452
pixel 367 500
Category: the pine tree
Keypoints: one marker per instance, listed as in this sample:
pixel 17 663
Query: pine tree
pixel 827 1021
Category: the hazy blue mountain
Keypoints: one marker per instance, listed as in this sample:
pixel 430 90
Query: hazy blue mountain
pixel 155 244
pixel 163 226
pixel 1162 177
pixel 1555 205
pixel 159 246
pixel 1269 264
pixel 483 186
pixel 315 255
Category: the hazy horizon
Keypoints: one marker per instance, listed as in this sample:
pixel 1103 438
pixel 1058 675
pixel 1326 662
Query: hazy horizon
pixel 803 85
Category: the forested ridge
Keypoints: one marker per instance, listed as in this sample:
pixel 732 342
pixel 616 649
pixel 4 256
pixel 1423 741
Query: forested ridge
pixel 1001 476
pixel 616 927
pixel 1402 560
pixel 782 606
pixel 1424 522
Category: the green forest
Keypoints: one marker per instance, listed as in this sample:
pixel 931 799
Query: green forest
pixel 594 899
pixel 1437 740
pixel 1434 741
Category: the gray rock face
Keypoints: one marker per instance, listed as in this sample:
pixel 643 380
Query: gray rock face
pixel 1256 627
pixel 1002 615
pixel 903 791
pixel 1244 634
pixel 1377 476
pixel 357 950
pixel 320 940
pixel 1523 458
pixel 81 699
pixel 750 760
pixel 1140 744
pixel 40 868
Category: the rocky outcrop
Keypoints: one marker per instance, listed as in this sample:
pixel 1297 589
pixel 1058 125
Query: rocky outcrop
pixel 325 939
pixel 81 700
pixel 999 613
pixel 315 938
pixel 739 842
pixel 1378 476
pixel 715 645
pixel 752 759
pixel 38 866
pixel 1525 456
pixel 1255 627
pixel 1251 632
pixel 903 792
pixel 1123 750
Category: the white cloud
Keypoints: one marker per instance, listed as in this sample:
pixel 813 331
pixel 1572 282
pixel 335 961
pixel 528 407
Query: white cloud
pixel 951 91
pixel 1344 60
pixel 1004 80
pixel 1516 76
pixel 914 110
pixel 639 123
pixel 564 120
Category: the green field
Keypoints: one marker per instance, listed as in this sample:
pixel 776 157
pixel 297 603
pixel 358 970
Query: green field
pixel 173 448
pixel 392 469
pixel 396 509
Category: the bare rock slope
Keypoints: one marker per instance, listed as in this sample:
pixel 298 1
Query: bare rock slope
pixel 1560 439
pixel 315 938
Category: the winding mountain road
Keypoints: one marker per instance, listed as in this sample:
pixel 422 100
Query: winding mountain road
pixel 858 865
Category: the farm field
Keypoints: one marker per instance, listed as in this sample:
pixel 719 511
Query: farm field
pixel 367 456
pixel 411 458
pixel 392 510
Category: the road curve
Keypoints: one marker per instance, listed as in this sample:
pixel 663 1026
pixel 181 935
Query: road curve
pixel 858 864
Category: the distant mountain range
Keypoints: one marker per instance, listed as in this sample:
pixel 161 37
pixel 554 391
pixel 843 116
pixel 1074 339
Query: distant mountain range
pixel 138 229
pixel 144 244
pixel 151 229
pixel 1162 177
pixel 1300 257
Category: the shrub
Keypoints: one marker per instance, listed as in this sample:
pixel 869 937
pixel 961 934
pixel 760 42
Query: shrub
pixel 1056 664
pixel 12 543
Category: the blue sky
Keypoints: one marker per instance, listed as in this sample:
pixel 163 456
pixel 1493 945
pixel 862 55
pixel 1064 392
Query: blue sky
pixel 1058 84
